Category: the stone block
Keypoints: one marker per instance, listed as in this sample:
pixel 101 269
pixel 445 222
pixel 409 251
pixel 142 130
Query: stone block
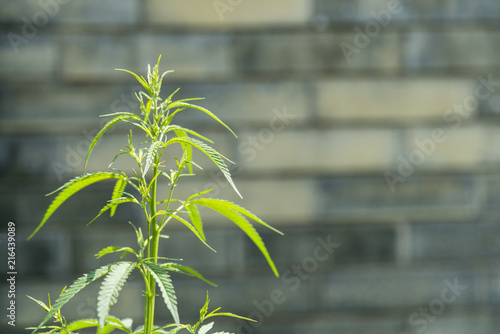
pixel 28 57
pixel 229 14
pixel 8 202
pixel 88 241
pixel 191 56
pixel 108 12
pixel 289 293
pixel 46 255
pixel 337 151
pixel 14 10
pixel 241 103
pixel 6 146
pixel 31 155
pixel 82 207
pixel 451 10
pixel 329 246
pixel 462 148
pixel 492 193
pixel 87 58
pixel 289 54
pixel 359 11
pixel 227 243
pixel 493 288
pixel 398 12
pixel 389 100
pixel 490 108
pixel 65 111
pixel 274 201
pixel 467 51
pixel 491 153
pixel 420 198
pixel 445 241
pixel 49 12
pixel 462 322
pixel 50 106
pixel 377 289
pixel 352 323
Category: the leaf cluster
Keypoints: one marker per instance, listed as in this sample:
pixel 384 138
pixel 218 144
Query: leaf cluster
pixel 149 159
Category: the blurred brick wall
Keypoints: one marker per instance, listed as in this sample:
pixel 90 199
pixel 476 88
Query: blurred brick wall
pixel 367 125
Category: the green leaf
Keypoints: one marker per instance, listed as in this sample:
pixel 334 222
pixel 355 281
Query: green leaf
pixel 163 280
pixel 39 302
pixel 204 309
pixel 110 289
pixel 180 104
pixel 205 328
pixel 104 129
pixel 112 323
pixel 187 148
pixel 125 324
pixel 160 330
pixel 189 226
pixel 215 156
pixel 186 271
pixel 195 217
pixel 225 208
pixel 227 314
pixel 76 287
pixel 201 193
pixel 72 187
pixel 175 330
pixel 169 99
pixel 112 204
pixel 176 128
pixel 114 249
pixel 82 323
pixel 151 155
pixel 238 209
pixel 117 193
pixel 141 79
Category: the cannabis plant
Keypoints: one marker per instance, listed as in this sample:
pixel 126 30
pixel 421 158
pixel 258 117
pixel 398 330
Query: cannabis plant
pixel 150 160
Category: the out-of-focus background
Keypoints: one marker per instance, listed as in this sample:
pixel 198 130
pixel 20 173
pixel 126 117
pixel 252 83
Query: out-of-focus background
pixel 368 133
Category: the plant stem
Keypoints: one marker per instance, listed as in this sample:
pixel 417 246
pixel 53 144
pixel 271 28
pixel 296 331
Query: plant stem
pixel 153 246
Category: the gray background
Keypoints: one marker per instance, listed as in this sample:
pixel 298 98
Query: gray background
pixel 331 99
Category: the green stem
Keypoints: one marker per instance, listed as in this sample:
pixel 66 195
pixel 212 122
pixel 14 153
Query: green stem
pixel 153 254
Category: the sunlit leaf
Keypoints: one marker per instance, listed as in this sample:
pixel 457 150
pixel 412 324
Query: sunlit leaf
pixel 163 280
pixel 103 130
pixel 72 187
pixel 215 156
pixel 110 289
pixel 76 287
pixel 185 270
pixel 236 217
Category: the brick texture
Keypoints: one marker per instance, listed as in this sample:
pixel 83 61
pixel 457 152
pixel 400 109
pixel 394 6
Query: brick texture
pixel 298 54
pixel 96 58
pixel 190 56
pixel 462 148
pixel 400 12
pixel 404 101
pixel 32 58
pixel 367 134
pixel 323 151
pixel 229 14
pixel 416 198
pixel 463 51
